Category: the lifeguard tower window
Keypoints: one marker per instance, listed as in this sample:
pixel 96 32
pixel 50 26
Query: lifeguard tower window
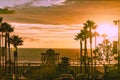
pixel 114 47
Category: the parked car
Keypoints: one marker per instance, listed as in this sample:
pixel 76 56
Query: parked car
pixel 18 77
pixel 66 77
pixel 81 77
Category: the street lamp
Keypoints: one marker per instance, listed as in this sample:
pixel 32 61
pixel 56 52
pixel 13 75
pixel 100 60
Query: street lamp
pixel 117 22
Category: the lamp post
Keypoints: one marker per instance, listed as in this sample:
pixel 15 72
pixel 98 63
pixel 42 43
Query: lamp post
pixel 117 22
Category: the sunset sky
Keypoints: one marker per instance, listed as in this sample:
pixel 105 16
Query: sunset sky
pixel 54 23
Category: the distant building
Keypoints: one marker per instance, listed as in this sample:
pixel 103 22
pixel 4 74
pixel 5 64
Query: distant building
pixel 115 47
pixel 50 57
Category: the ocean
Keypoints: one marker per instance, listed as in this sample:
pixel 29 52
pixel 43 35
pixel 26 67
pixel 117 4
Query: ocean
pixel 34 54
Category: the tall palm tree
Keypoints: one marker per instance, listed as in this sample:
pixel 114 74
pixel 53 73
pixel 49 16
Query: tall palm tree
pixel 15 40
pixel 80 36
pixel 86 36
pixel 95 34
pixel 7 28
pixel 90 25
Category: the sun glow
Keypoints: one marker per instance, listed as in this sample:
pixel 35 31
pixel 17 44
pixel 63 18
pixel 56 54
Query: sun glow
pixel 108 29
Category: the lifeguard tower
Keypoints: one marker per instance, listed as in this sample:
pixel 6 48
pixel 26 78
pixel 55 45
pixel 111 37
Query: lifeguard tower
pixel 49 57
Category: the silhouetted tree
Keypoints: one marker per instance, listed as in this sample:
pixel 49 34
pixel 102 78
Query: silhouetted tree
pixel 7 28
pixel 85 58
pixel 64 65
pixel 80 36
pixel 15 40
pixel 95 34
pixel 90 25
pixel 104 53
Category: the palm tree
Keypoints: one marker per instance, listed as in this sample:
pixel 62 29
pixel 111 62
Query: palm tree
pixel 15 40
pixel 95 34
pixel 90 25
pixel 80 36
pixel 6 28
pixel 104 36
pixel 86 36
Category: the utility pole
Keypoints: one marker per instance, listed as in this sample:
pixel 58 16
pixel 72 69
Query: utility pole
pixel 0 49
pixel 117 22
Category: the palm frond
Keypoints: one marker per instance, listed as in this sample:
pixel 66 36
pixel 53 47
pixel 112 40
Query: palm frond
pixel 16 40
pixel 5 27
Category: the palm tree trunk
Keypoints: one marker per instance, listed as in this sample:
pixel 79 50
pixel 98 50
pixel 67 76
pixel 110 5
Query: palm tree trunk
pixel 91 54
pixel 3 56
pixel 95 41
pixel 15 61
pixel 9 55
pixel 85 54
pixel 95 59
pixel 6 52
pixel 81 55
